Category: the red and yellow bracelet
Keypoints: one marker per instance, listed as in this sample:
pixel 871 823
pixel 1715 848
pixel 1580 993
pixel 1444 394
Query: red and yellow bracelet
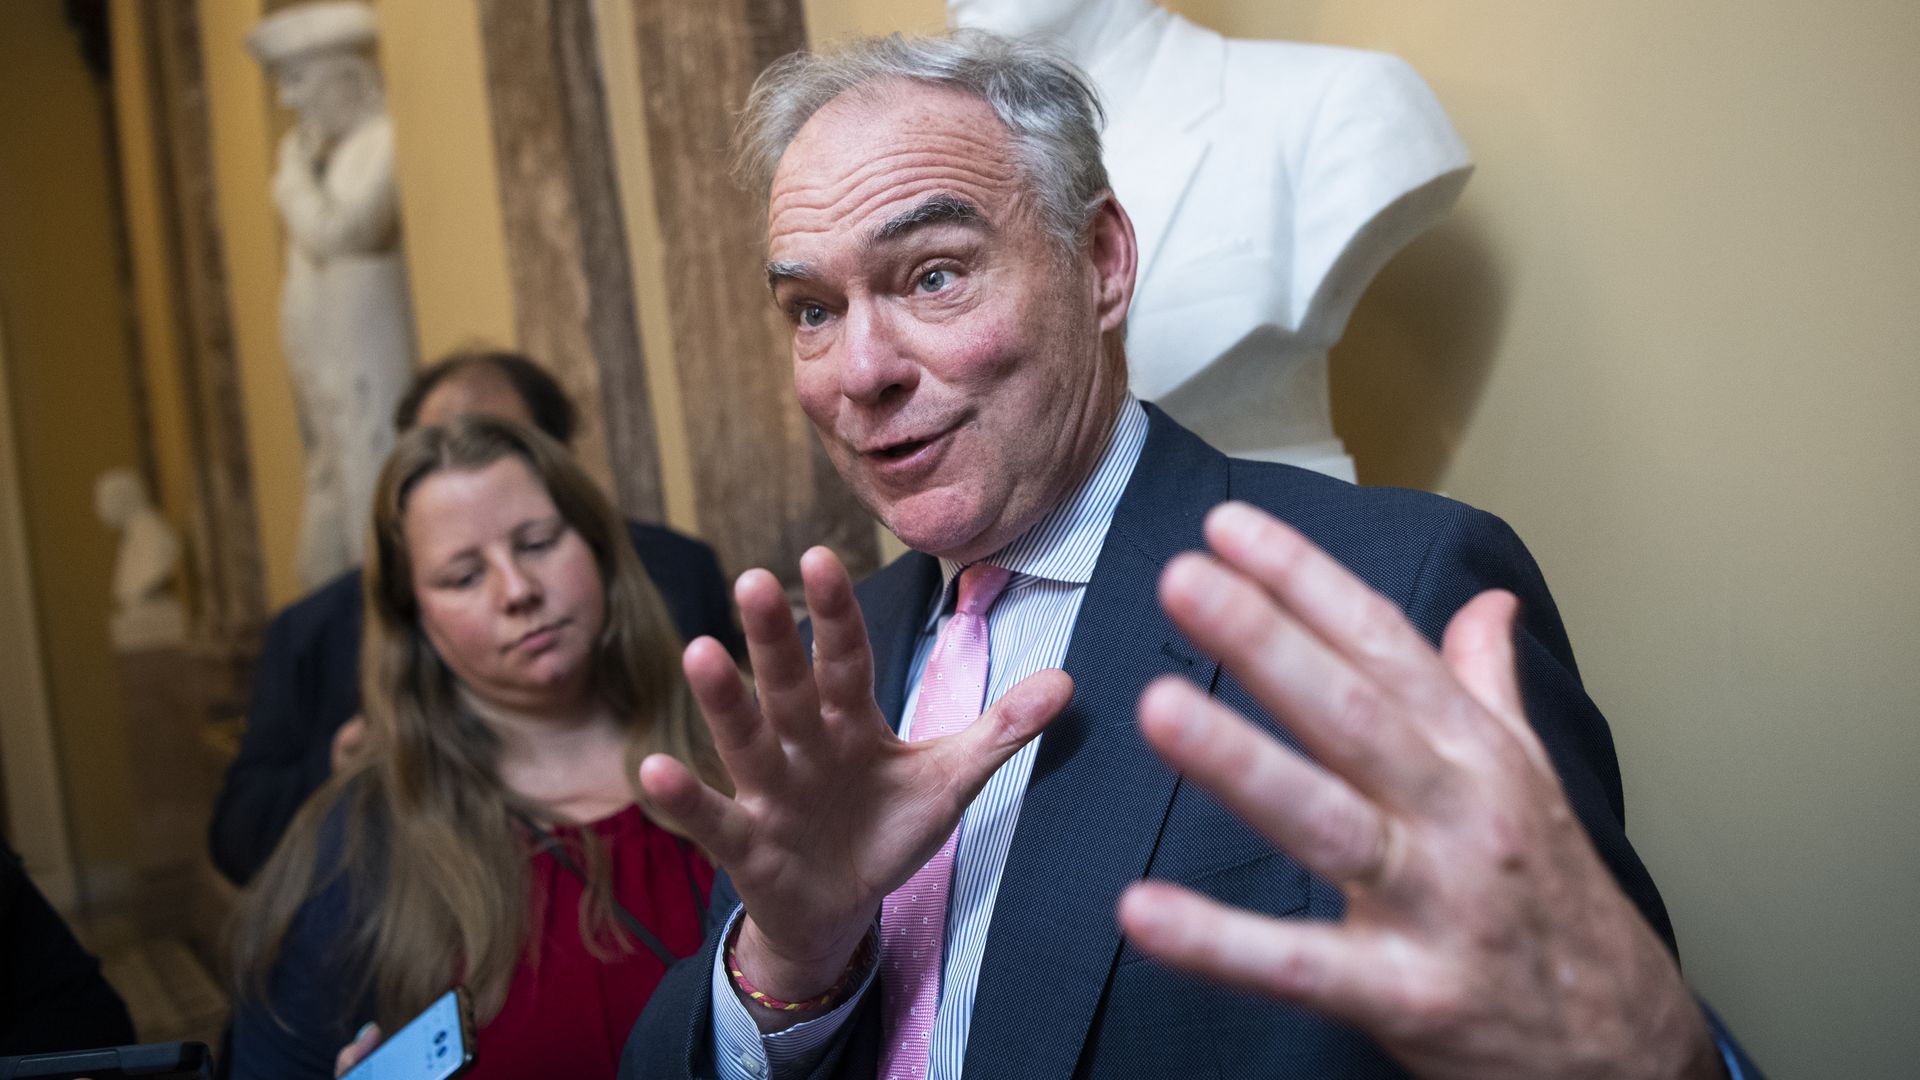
pixel 856 965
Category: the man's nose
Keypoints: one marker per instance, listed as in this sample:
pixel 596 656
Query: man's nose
pixel 876 368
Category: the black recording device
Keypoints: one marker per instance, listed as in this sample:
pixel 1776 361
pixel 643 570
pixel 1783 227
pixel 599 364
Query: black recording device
pixel 188 1060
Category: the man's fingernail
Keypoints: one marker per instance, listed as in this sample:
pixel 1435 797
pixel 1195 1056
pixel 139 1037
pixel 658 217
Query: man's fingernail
pixel 1204 586
pixel 1146 916
pixel 362 1033
pixel 1165 709
pixel 1238 520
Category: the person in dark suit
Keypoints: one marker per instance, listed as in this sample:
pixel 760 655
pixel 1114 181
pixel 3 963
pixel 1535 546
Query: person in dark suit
pixel 301 719
pixel 914 888
pixel 52 994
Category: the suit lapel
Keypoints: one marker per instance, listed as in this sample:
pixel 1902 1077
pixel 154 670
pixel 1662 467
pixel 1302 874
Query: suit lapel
pixel 894 602
pixel 1093 810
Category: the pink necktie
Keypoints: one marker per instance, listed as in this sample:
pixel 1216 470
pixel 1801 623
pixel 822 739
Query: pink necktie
pixel 913 918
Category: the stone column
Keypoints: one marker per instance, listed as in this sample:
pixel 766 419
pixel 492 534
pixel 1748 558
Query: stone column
pixel 226 576
pixel 566 237
pixel 765 491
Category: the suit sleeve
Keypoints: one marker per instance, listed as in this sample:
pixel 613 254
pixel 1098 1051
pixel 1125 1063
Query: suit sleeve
pixel 52 994
pixel 710 602
pixel 285 753
pixel 691 584
pixel 1472 552
pixel 307 1017
pixel 674 1039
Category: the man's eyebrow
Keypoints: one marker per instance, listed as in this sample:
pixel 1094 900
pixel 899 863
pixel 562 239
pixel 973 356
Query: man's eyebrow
pixel 937 209
pixel 779 271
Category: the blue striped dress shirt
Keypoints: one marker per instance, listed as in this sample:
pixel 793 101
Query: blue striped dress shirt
pixel 1028 628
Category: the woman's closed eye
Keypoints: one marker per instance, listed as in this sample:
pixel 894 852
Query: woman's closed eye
pixel 459 578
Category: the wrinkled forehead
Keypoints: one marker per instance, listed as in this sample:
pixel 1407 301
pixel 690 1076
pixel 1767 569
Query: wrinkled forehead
pixel 883 145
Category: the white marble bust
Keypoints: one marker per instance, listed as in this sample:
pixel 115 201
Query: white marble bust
pixel 346 315
pixel 1268 183
pixel 145 611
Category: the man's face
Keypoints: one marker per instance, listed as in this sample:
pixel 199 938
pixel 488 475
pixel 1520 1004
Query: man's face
pixel 949 354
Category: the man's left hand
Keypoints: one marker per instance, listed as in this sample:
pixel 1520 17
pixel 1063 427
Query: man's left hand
pixel 1483 936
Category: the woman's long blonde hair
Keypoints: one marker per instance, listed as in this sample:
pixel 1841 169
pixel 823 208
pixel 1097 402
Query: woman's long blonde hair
pixel 420 827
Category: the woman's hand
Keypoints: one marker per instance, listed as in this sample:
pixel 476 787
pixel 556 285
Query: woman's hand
pixel 353 1053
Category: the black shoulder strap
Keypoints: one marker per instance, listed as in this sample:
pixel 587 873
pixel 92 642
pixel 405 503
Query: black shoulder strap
pixel 546 841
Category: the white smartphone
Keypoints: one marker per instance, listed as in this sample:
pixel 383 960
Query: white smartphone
pixel 436 1045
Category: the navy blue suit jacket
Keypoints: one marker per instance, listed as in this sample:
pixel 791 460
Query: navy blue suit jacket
pixel 1060 992
pixel 306 684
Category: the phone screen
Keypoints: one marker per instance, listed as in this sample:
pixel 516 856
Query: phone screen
pixel 432 1046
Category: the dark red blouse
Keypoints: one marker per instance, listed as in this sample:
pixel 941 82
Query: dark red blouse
pixel 568 1013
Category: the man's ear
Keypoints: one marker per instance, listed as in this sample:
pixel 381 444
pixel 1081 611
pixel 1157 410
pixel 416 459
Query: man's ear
pixel 1115 256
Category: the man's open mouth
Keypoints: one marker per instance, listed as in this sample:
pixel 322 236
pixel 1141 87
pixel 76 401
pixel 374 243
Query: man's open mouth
pixel 902 449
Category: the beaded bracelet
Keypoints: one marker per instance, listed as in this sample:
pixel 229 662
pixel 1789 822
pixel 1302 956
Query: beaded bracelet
pixel 855 965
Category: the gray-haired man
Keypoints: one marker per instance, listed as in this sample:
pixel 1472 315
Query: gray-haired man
pixel 957 277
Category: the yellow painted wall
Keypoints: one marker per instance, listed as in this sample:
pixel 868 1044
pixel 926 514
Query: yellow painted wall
pixel 68 356
pixel 1692 243
pixel 831 20
pixel 456 242
pixel 239 102
pixel 1670 333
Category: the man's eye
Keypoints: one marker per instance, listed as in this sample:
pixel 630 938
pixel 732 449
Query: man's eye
pixel 812 315
pixel 934 280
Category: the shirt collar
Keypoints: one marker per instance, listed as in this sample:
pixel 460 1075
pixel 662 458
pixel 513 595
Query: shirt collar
pixel 1065 545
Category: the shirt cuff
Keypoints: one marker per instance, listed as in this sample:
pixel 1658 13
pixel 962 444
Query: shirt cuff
pixel 742 1052
pixel 1739 1065
pixel 1729 1058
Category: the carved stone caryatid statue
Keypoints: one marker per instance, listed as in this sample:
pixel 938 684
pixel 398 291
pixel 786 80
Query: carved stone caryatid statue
pixel 146 613
pixel 1268 183
pixel 346 318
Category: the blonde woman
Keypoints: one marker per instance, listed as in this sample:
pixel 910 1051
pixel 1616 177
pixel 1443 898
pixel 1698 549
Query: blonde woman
pixel 518 666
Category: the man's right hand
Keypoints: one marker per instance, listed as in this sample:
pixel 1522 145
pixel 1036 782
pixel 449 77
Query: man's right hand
pixel 831 811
